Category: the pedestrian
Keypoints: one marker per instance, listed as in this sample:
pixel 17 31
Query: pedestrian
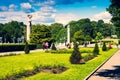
pixel 46 45
pixel 117 45
pixel 43 45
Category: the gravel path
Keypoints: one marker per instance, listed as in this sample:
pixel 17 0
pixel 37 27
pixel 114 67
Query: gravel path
pixel 110 70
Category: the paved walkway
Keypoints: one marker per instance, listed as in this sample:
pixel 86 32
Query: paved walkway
pixel 19 52
pixel 110 70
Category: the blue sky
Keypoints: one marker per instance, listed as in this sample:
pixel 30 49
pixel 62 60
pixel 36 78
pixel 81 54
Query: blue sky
pixel 51 11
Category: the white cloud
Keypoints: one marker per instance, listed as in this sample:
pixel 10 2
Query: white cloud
pixel 45 14
pixel 39 18
pixel 25 5
pixel 66 18
pixel 47 2
pixel 103 15
pixel 31 0
pixel 93 7
pixel 12 7
pixel 9 16
pixel 47 9
pixel 3 8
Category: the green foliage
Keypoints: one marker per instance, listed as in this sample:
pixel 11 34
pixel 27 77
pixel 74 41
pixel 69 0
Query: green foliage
pixel 53 47
pixel 104 48
pixel 15 47
pixel 40 33
pixel 99 36
pixel 82 24
pixel 114 10
pixel 58 31
pixel 39 46
pixel 69 51
pixel 61 36
pixel 11 31
pixel 78 36
pixel 96 50
pixel 87 56
pixel 76 55
pixel 26 48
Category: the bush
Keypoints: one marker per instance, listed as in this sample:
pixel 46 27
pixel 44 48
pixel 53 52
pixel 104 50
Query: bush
pixel 104 48
pixel 26 48
pixel 39 46
pixel 53 47
pixel 88 56
pixel 96 49
pixel 76 55
pixel 15 47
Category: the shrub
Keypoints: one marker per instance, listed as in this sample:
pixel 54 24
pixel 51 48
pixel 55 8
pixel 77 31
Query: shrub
pixel 53 47
pixel 39 46
pixel 88 56
pixel 26 48
pixel 15 47
pixel 76 55
pixel 104 48
pixel 96 49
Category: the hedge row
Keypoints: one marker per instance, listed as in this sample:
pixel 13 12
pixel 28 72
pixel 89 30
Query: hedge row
pixel 15 47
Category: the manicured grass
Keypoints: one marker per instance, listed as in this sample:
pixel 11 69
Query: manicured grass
pixel 11 65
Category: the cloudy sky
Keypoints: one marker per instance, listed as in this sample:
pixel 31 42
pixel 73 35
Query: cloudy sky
pixel 51 11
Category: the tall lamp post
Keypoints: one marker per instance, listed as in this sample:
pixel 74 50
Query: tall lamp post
pixel 29 24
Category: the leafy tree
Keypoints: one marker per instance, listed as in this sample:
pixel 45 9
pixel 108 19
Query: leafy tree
pixel 104 48
pixel 40 33
pixel 114 10
pixel 78 36
pixel 76 55
pixel 26 48
pixel 94 25
pixel 107 30
pixel 99 36
pixel 61 36
pixel 96 50
pixel 11 30
pixel 74 27
pixel 55 29
pixel 1 29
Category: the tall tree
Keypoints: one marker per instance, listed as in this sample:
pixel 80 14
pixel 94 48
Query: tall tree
pixel 12 30
pixel 114 10
pixel 78 36
pixel 40 33
pixel 55 30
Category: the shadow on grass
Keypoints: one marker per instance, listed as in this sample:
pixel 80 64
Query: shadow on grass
pixel 112 74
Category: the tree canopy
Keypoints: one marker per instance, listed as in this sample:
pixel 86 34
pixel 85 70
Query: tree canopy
pixel 114 10
pixel 40 33
pixel 11 31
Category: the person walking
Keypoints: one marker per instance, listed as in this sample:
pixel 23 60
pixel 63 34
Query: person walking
pixel 43 45
pixel 46 45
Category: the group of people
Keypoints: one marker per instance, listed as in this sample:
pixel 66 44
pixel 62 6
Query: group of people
pixel 45 45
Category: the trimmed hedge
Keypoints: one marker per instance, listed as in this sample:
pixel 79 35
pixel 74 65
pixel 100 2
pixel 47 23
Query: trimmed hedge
pixel 15 47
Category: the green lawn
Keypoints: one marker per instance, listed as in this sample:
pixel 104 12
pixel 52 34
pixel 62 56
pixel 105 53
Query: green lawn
pixel 11 65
